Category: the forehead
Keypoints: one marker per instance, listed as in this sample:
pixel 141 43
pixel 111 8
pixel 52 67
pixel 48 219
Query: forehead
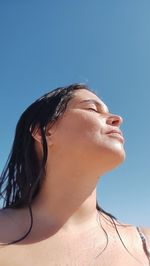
pixel 84 96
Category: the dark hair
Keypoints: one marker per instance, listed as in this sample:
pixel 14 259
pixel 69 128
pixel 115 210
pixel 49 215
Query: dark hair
pixel 22 176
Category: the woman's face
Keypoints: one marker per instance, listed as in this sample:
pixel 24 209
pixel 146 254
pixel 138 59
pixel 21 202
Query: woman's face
pixel 88 134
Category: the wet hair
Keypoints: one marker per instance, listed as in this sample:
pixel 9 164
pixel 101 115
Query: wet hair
pixel 23 174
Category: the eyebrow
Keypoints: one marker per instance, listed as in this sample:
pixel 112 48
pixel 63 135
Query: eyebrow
pixel 97 103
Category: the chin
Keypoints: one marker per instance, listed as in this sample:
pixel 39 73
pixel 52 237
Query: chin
pixel 116 158
pixel 114 154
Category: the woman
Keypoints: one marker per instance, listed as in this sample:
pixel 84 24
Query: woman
pixel 64 142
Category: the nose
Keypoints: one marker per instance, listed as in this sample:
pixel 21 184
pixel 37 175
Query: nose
pixel 114 120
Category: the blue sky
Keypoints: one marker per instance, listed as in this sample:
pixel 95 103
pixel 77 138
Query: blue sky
pixel 45 44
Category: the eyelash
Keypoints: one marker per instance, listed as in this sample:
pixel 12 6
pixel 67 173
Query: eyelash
pixel 93 109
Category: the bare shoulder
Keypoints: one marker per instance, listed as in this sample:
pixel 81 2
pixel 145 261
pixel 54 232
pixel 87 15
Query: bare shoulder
pixel 5 227
pixel 146 232
pixel 3 220
pixel 124 230
pixel 10 225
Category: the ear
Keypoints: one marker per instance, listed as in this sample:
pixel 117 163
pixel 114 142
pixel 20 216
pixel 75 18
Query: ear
pixel 49 136
pixel 36 134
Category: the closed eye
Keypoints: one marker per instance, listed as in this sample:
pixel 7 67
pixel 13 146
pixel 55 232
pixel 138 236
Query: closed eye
pixel 92 109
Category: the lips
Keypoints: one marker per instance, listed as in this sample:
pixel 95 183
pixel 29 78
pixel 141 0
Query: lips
pixel 116 133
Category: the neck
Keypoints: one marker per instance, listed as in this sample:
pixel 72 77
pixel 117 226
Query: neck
pixel 70 212
pixel 68 209
pixel 85 214
pixel 67 203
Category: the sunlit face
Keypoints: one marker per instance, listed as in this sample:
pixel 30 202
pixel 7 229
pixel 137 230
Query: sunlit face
pixel 89 134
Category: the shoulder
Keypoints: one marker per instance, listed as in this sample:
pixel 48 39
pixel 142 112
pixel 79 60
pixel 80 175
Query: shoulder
pixel 5 227
pixel 131 234
pixel 146 232
pixel 127 232
pixel 11 226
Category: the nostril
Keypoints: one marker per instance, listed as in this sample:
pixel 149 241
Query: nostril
pixel 115 120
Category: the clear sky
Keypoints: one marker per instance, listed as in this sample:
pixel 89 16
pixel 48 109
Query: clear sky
pixel 106 44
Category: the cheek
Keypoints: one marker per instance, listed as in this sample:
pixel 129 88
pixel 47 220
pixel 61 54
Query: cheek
pixel 80 129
